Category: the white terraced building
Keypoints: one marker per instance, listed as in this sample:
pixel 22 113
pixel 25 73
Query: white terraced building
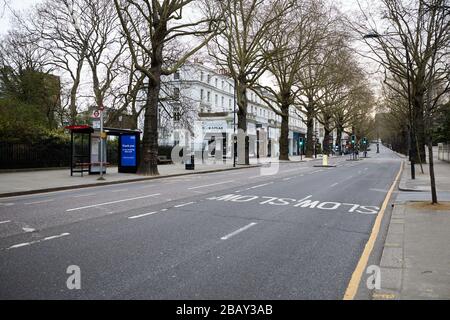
pixel 211 94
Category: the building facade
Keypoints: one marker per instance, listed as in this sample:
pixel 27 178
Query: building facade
pixel 213 108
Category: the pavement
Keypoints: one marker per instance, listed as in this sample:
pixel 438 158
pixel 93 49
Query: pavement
pixel 286 231
pixel 31 182
pixel 415 262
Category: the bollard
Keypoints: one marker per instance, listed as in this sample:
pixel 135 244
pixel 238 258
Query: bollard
pixel 325 161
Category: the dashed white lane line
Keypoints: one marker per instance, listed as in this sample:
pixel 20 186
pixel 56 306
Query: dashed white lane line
pixel 334 185
pixel 255 187
pixel 231 235
pixel 5 222
pixel 21 245
pixel 6 204
pixel 85 195
pixel 184 205
pixel 142 215
pixel 113 202
pixel 119 191
pixel 39 202
pixel 260 186
pixel 211 185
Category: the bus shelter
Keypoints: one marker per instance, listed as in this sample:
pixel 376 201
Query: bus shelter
pixel 85 149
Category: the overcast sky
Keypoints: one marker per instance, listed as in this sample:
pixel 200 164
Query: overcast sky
pixel 15 5
pixel 25 4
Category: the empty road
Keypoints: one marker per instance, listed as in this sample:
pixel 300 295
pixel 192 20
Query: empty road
pixel 298 234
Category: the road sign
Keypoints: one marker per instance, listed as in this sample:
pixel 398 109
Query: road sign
pixel 97 114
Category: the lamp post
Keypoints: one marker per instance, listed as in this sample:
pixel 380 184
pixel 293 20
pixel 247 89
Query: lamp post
pixel 257 142
pixel 102 143
pixel 412 134
pixel 234 126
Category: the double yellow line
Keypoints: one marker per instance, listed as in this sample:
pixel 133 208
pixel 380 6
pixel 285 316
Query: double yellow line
pixel 353 286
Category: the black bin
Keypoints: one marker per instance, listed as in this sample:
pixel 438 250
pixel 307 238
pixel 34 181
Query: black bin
pixel 190 164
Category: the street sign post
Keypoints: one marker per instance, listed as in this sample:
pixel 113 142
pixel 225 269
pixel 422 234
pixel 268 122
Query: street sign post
pixel 102 141
pixel 302 143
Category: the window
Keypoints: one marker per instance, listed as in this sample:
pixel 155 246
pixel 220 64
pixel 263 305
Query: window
pixel 229 103
pixel 217 83
pixel 223 85
pixel 209 96
pixel 176 75
pixel 216 100
pixel 176 114
pixel 201 76
pixel 223 102
pixel 202 94
pixel 209 79
pixel 176 93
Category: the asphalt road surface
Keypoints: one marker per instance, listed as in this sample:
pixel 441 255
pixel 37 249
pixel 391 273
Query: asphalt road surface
pixel 298 234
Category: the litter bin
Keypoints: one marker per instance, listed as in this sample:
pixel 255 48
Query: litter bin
pixel 190 163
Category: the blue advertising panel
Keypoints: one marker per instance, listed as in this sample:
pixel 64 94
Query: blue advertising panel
pixel 129 154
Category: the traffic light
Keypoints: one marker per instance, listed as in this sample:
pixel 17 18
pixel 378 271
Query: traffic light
pixel 365 141
pixel 353 139
pixel 302 142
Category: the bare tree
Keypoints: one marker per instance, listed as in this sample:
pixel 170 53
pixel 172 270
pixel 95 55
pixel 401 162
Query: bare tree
pixel 414 49
pixel 65 37
pixel 106 46
pixel 292 38
pixel 149 27
pixel 238 48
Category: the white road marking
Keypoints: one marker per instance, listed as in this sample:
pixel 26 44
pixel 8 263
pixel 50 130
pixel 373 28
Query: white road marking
pixel 334 185
pixel 142 215
pixel 28 230
pixel 210 185
pixel 113 202
pixel 39 202
pixel 292 170
pixel 5 222
pixel 21 245
pixel 121 190
pixel 287 179
pixel 184 205
pixel 57 237
pixel 6 204
pixel 239 231
pixel 85 195
pixel 256 177
pixel 260 186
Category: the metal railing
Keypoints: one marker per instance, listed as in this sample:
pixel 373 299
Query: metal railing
pixel 444 152
pixel 41 155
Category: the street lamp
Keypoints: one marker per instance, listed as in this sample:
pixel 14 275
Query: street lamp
pixel 234 126
pixel 412 135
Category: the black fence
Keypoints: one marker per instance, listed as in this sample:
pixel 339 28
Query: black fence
pixel 43 155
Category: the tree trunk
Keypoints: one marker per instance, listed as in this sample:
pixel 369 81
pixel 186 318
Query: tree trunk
pixel 339 139
pixel 420 139
pixel 326 141
pixel 432 175
pixel 310 134
pixel 149 154
pixel 284 137
pixel 73 94
pixel 73 104
pixel 242 121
